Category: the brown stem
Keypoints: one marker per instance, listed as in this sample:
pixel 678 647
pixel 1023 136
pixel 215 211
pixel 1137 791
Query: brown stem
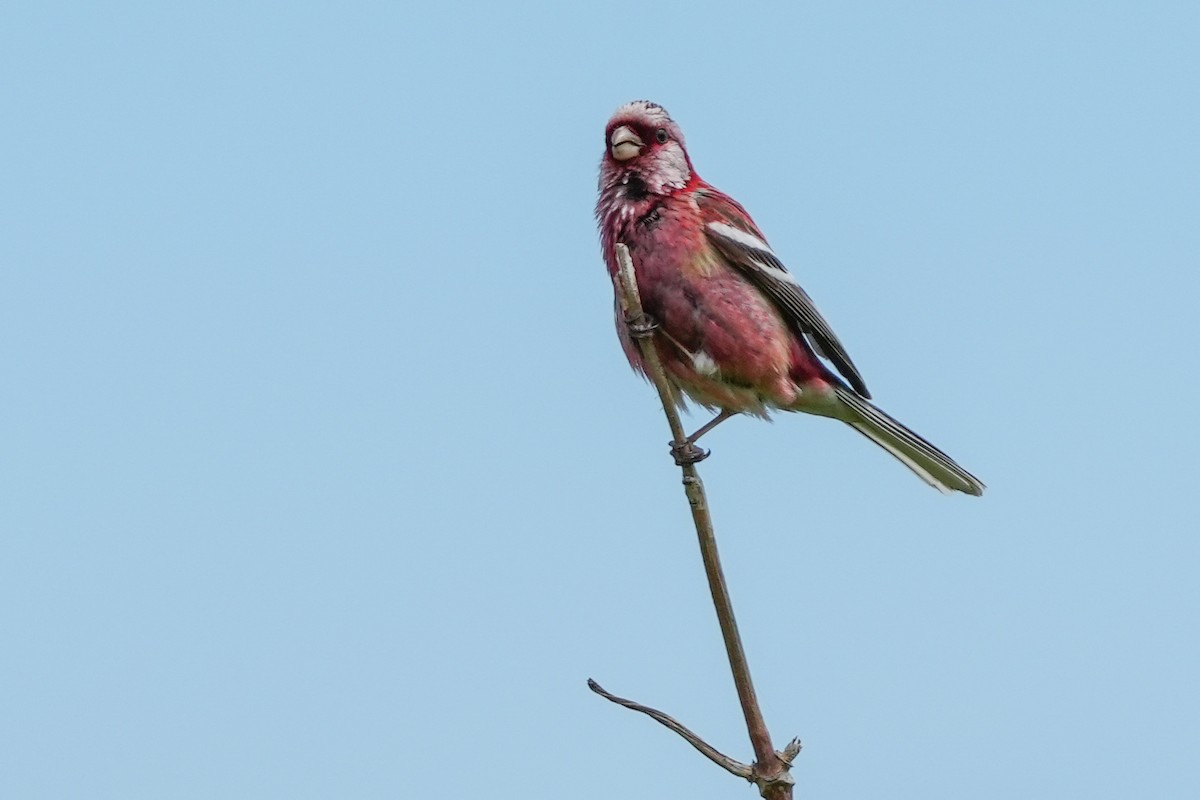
pixel 770 771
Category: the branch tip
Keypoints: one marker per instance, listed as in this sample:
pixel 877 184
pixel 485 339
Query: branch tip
pixel 788 754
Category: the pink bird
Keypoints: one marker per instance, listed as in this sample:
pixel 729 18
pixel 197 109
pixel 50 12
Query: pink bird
pixel 734 330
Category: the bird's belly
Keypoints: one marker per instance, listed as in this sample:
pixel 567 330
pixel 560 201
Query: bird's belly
pixel 722 342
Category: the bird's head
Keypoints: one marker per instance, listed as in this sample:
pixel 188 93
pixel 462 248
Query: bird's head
pixel 643 143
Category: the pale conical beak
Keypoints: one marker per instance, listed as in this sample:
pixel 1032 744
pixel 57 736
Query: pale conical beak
pixel 624 143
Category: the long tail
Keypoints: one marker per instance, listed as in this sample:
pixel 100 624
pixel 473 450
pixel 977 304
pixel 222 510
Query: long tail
pixel 930 464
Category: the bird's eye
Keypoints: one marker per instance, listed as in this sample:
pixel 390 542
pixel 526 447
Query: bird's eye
pixel 661 135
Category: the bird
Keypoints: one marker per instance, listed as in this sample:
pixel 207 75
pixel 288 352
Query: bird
pixel 733 328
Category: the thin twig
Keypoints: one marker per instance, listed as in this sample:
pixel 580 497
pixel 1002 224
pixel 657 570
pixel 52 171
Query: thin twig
pixel 744 771
pixel 770 770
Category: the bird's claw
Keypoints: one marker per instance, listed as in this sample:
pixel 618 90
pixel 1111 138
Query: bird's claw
pixel 641 326
pixel 687 452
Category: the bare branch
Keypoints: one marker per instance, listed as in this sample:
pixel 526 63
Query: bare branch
pixel 744 771
pixel 770 768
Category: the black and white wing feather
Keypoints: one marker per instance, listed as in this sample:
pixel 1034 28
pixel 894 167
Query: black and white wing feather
pixel 750 254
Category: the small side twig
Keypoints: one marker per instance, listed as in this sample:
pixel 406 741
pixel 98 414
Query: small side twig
pixel 744 771
pixel 770 770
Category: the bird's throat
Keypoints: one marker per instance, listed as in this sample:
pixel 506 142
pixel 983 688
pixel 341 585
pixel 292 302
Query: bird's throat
pixel 633 187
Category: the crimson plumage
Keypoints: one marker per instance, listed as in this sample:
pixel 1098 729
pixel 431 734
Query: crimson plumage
pixel 736 332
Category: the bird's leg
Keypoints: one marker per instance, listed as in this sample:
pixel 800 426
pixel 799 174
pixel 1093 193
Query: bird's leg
pixel 686 452
pixel 712 423
pixel 643 326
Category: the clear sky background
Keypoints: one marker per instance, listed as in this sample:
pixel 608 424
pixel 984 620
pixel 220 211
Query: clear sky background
pixel 323 475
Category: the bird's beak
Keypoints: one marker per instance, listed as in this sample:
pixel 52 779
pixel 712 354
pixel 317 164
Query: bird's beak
pixel 624 143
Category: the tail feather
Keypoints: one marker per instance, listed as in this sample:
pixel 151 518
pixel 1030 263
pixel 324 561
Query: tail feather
pixel 929 463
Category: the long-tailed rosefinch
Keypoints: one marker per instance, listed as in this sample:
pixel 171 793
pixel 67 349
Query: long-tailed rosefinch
pixel 735 331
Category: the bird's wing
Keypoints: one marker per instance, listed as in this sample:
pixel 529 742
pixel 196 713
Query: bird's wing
pixel 731 231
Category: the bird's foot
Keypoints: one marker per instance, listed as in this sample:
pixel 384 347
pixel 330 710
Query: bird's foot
pixel 641 326
pixel 687 452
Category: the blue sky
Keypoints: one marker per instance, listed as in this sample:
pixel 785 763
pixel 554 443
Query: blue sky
pixel 323 474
